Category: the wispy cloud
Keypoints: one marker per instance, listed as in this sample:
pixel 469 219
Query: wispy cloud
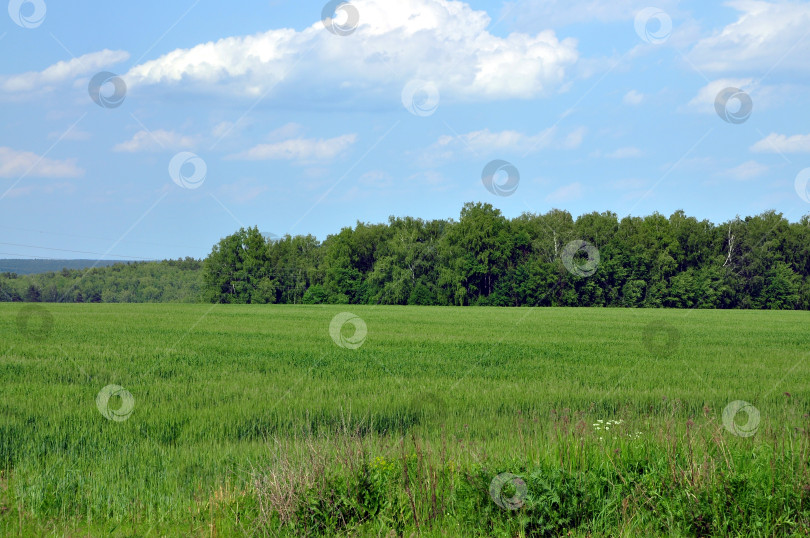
pixel 566 193
pixel 243 191
pixel 298 149
pixel 633 98
pixel 486 142
pixel 61 72
pixel 779 143
pixel 14 164
pixel 158 140
pixel 746 171
pixel 34 189
pixel 706 96
pixel 629 152
pixel 766 36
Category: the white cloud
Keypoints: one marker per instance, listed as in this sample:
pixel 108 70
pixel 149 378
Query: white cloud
pixel 159 140
pixel 633 98
pixel 15 164
pixel 287 131
pixel 574 139
pixel 376 178
pixel 567 193
pixel 487 142
pixel 443 41
pixel 779 143
pixel 704 100
pixel 243 191
pixel 431 179
pixel 766 35
pixel 223 129
pixel 61 72
pixel 29 189
pixel 747 171
pixel 299 149
pixel 624 153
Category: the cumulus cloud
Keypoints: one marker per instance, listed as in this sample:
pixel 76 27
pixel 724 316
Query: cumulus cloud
pixel 15 164
pixel 442 41
pixel 767 35
pixel 779 143
pixel 298 149
pixel 61 72
pixel 158 140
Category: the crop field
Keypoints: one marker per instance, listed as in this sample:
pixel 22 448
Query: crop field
pixel 152 420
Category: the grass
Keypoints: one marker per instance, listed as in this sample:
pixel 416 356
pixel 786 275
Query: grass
pixel 252 420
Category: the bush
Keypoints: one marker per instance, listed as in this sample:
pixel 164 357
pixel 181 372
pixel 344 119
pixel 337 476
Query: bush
pixel 316 294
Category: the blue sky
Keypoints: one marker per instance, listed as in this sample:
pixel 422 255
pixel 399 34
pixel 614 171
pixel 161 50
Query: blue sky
pixel 263 114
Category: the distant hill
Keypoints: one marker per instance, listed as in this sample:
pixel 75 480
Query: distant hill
pixel 31 267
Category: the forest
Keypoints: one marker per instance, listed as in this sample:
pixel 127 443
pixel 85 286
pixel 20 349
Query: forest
pixel 760 262
pixel 169 281
pixel 483 258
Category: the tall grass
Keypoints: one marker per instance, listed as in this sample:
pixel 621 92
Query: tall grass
pixel 251 420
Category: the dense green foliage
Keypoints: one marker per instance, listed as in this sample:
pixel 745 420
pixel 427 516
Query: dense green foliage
pixel 483 259
pixel 760 262
pixel 170 281
pixel 250 420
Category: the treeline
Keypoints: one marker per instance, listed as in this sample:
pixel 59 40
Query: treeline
pixel 481 259
pixel 486 259
pixel 170 281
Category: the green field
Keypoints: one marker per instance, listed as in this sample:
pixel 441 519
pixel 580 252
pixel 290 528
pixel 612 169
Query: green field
pixel 251 420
